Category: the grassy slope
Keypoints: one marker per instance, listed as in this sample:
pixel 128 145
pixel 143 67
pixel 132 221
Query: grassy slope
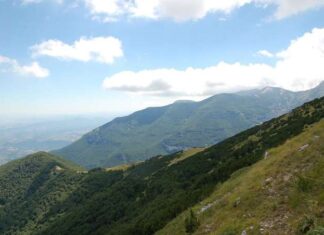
pixel 182 155
pixel 272 197
pixel 186 154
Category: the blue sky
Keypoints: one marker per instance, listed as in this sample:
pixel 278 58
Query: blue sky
pixel 109 56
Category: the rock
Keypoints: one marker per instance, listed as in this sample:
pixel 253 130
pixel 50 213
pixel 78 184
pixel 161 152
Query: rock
pixel 302 148
pixel 204 208
pixel 57 169
pixel 268 180
pixel 286 177
pixel 244 232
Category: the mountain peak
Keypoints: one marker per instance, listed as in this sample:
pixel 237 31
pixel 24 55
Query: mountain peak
pixel 269 89
pixel 183 101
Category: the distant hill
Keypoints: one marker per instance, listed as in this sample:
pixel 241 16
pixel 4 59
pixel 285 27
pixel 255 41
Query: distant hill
pixel 181 125
pixel 42 194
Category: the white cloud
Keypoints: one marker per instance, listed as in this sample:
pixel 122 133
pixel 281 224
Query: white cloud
pixel 287 8
pixel 33 70
pixel 179 10
pixel 182 10
pixel 265 53
pixel 299 67
pixel 190 83
pixel 100 49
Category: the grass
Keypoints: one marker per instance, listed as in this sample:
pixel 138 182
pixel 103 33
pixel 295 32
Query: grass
pixel 273 196
pixel 186 154
pixel 123 167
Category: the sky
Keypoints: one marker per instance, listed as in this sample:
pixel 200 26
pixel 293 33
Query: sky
pixel 118 56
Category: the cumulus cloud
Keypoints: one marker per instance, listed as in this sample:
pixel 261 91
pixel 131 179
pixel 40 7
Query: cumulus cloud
pixel 292 7
pixel 191 82
pixel 33 70
pixel 299 67
pixel 100 49
pixel 182 10
pixel 179 10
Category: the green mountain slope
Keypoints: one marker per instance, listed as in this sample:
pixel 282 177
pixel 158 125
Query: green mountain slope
pixel 30 187
pixel 281 194
pixel 181 125
pixel 143 198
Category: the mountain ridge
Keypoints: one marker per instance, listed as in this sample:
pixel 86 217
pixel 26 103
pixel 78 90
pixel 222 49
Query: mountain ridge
pixel 167 129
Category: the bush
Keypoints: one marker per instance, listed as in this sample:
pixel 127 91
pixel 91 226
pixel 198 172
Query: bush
pixel 316 231
pixel 305 225
pixel 304 184
pixel 191 223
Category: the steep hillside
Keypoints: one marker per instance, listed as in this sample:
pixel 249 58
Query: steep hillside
pixel 139 199
pixel 181 125
pixel 281 194
pixel 30 187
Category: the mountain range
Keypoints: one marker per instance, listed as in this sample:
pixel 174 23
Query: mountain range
pixel 270 176
pixel 181 125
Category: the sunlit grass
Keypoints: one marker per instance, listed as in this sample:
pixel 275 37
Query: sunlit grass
pixel 272 197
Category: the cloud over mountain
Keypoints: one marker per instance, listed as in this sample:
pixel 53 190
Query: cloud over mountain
pixel 299 67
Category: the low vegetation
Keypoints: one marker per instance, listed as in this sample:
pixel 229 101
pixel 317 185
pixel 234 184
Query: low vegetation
pixel 282 194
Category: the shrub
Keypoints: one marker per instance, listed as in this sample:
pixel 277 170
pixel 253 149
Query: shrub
pixel 191 223
pixel 304 184
pixel 305 225
pixel 316 231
